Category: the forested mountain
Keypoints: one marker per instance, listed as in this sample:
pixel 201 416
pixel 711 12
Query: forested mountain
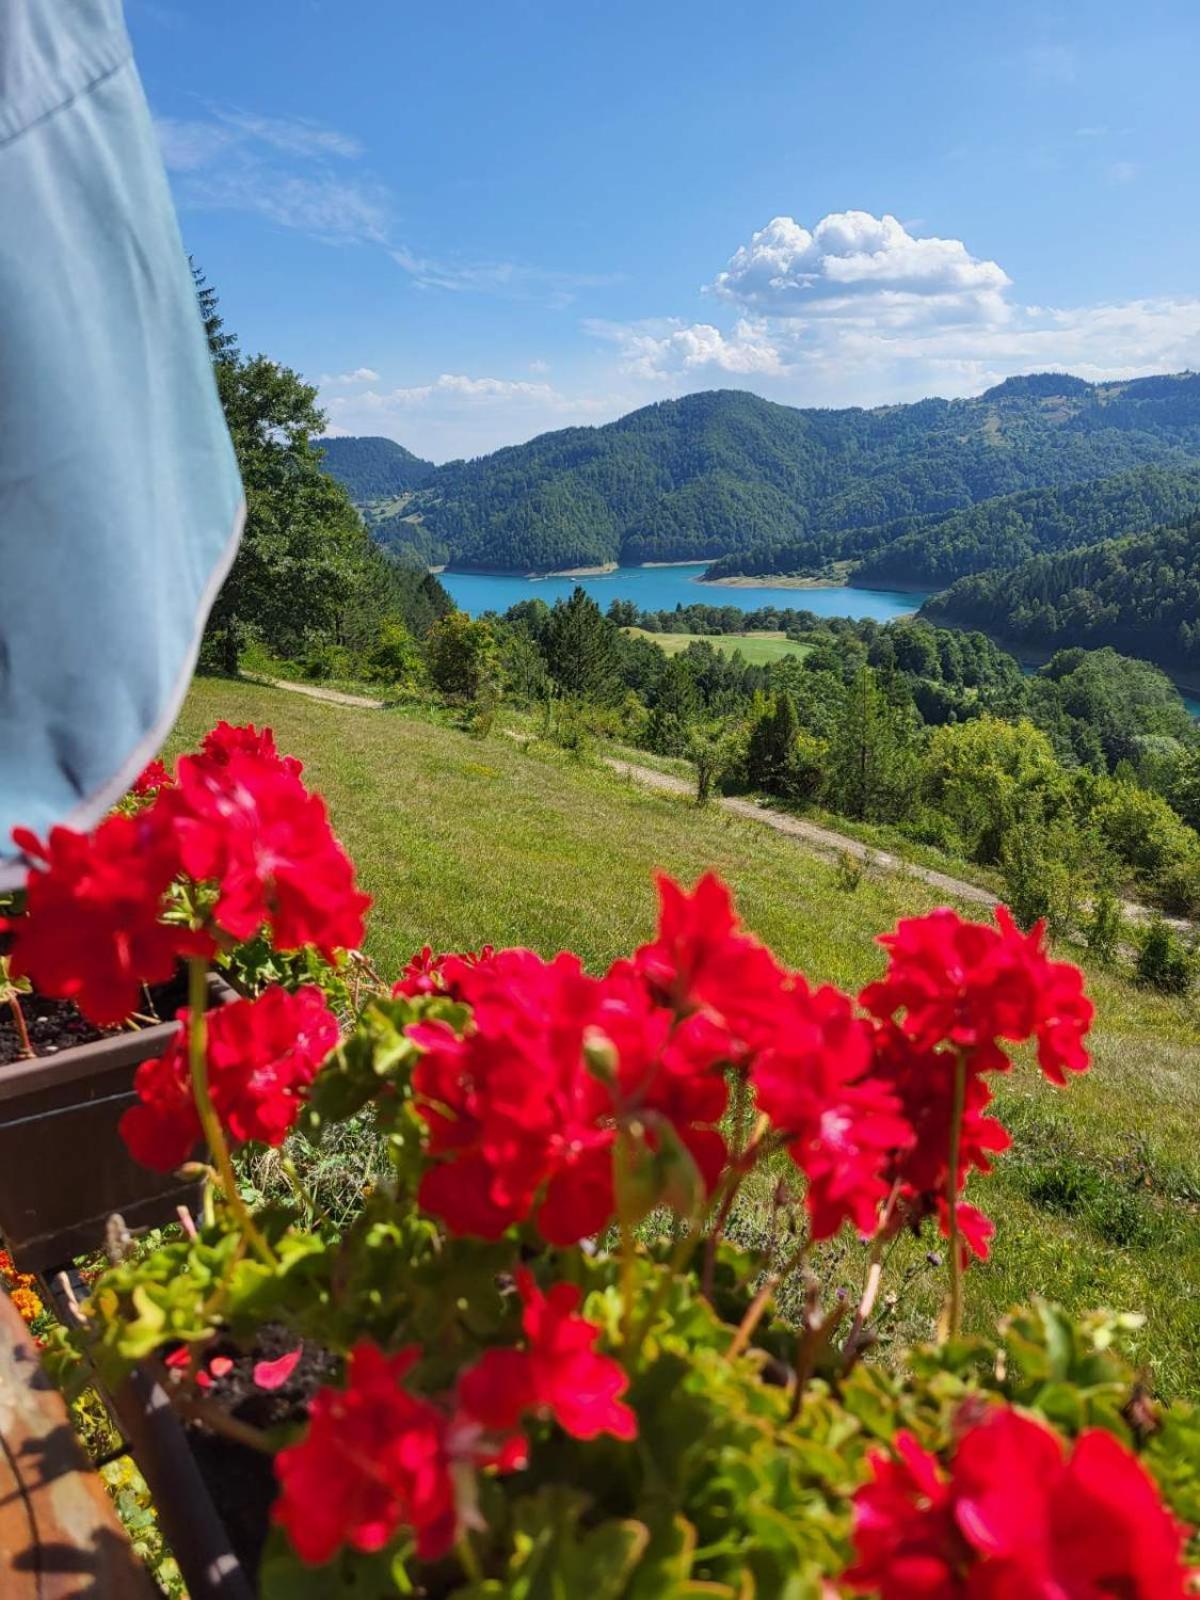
pixel 724 472
pixel 930 551
pixel 373 469
pixel 1140 595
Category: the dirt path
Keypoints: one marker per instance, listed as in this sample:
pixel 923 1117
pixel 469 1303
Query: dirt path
pixel 836 844
pixel 334 696
pixel 823 839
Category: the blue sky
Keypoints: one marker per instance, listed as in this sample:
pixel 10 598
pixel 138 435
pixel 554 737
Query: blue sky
pixel 473 222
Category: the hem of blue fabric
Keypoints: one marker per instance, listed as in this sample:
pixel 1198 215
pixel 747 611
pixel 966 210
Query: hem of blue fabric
pixel 91 809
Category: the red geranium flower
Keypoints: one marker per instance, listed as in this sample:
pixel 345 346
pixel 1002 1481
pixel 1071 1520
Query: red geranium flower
pixel 246 822
pixel 923 1084
pixel 1015 1518
pixel 514 1116
pixel 559 1373
pixel 153 777
pixel 225 740
pixel 262 1055
pixel 427 973
pixel 842 1126
pixel 91 931
pixel 700 959
pixel 375 1459
pixel 970 985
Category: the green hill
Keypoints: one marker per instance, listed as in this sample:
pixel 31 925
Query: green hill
pixel 1141 595
pixel 374 469
pixel 483 840
pixel 724 473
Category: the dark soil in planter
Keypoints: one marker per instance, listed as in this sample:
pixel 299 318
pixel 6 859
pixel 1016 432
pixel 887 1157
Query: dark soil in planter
pixel 56 1025
pixel 241 1481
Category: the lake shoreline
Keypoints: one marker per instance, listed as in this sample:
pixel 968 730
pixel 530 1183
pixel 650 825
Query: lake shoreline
pixel 667 588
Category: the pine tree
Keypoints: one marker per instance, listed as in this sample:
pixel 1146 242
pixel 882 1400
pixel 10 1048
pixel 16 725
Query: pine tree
pixel 771 752
pixel 581 649
pixel 222 346
pixel 872 774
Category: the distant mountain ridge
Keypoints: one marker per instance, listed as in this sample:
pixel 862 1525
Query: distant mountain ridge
pixel 374 469
pixel 727 474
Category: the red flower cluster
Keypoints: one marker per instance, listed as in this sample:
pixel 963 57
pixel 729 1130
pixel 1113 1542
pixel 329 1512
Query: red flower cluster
pixel 262 1056
pixel 377 1458
pixel 922 1082
pixel 426 972
pixel 970 985
pixel 91 932
pixel 842 1124
pixel 523 1109
pixel 560 1374
pixel 514 1116
pixel 153 777
pixel 242 818
pixel 224 741
pixel 953 990
pixel 236 814
pixel 1015 1518
pixel 701 961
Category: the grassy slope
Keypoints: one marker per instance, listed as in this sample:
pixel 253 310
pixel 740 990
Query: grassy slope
pixel 464 842
pixel 758 649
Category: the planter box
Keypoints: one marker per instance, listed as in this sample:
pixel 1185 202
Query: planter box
pixel 64 1168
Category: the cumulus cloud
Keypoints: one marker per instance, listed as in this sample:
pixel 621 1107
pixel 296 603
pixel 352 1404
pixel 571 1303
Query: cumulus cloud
pixel 665 348
pixel 859 310
pixel 786 270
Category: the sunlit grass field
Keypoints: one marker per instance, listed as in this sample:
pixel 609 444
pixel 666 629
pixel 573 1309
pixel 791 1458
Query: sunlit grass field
pixel 464 842
pixel 757 649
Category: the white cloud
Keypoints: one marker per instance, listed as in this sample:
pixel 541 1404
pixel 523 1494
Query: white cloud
pixel 662 349
pixel 1123 171
pixel 539 366
pixel 233 160
pixel 297 136
pixel 859 311
pixel 511 279
pixel 459 414
pixel 343 379
pixel 188 144
pixel 237 160
pixel 852 256
pixel 326 206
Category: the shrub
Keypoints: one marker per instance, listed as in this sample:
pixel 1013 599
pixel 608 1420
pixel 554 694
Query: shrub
pixel 1105 924
pixel 1164 961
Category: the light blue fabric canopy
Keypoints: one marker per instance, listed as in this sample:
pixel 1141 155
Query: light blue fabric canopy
pixel 120 503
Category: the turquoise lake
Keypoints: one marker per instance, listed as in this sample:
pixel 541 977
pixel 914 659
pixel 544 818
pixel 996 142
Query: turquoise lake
pixel 664 588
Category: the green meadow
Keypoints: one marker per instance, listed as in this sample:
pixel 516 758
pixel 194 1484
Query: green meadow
pixel 758 649
pixel 464 842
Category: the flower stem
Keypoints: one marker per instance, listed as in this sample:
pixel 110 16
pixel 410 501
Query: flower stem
pixel 22 1030
pixel 758 1306
pixel 672 1268
pixel 622 1164
pixel 953 1322
pixel 468 1558
pixel 210 1123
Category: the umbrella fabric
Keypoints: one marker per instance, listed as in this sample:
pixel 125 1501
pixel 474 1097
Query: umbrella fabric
pixel 120 502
